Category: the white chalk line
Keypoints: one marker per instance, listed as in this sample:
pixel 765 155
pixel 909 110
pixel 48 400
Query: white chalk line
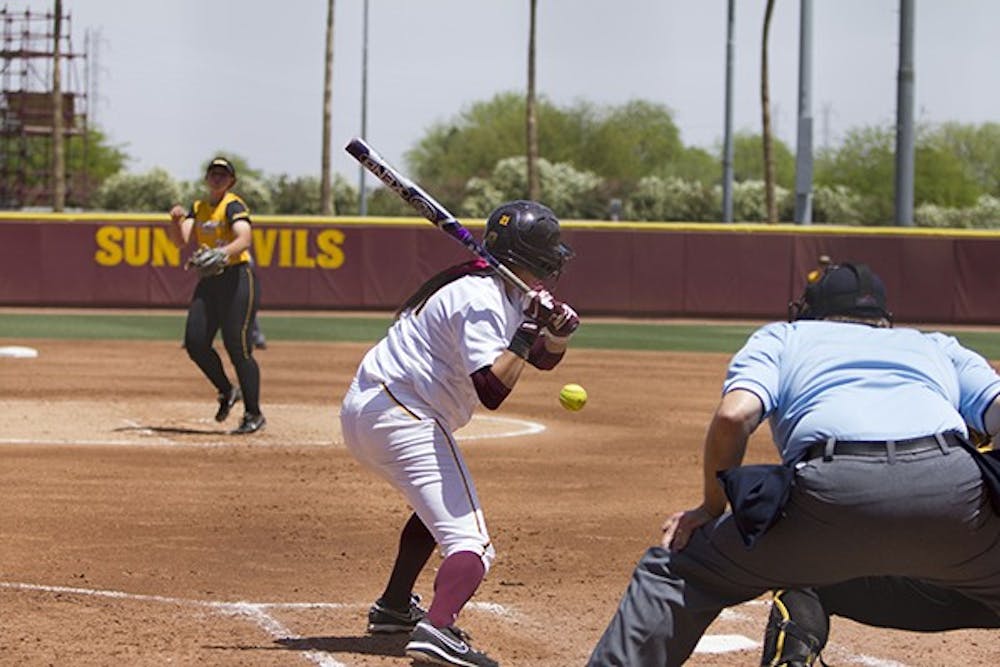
pixel 519 427
pixel 151 438
pixel 257 613
pixel 253 611
pixel 277 630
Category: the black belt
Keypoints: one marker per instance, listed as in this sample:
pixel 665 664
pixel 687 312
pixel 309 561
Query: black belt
pixel 827 450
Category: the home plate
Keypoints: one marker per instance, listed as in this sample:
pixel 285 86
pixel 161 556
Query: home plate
pixel 724 644
pixel 18 352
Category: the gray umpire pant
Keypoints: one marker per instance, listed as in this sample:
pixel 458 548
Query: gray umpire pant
pixel 925 516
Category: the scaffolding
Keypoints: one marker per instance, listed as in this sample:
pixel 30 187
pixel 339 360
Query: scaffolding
pixel 27 111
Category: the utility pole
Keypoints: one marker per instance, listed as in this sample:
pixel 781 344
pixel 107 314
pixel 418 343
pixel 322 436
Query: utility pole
pixel 325 193
pixel 727 142
pixel 827 111
pixel 531 120
pixel 904 117
pixel 58 147
pixel 765 110
pixel 804 142
pixel 362 192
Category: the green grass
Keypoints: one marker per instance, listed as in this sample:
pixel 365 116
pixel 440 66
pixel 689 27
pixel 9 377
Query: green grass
pixel 618 335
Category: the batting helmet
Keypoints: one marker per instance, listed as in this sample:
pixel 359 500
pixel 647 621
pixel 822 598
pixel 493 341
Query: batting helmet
pixel 526 234
pixel 847 289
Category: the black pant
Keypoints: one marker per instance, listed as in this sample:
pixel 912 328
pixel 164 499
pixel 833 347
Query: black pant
pixel 228 302
pixel 905 604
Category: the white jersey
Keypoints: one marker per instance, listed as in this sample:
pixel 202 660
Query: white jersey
pixel 429 353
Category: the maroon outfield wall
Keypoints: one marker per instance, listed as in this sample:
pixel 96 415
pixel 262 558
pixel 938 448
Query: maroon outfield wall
pixel 673 270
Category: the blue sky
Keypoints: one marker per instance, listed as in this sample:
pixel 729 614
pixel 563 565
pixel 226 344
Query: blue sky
pixel 179 79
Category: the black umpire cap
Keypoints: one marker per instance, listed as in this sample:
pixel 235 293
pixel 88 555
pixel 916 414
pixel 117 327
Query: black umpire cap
pixel 224 163
pixel 847 289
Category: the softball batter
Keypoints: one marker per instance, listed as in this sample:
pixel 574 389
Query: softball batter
pixel 463 338
pixel 228 300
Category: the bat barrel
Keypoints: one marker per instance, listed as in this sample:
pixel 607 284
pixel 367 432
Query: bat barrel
pixel 426 205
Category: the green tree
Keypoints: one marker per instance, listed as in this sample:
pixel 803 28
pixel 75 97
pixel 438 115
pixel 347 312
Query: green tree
pixel 91 154
pixel 984 215
pixel 865 163
pixel 295 195
pixel 673 199
pixel 750 201
pixel 302 195
pixel 977 147
pixel 154 191
pixel 747 163
pixel 942 178
pixel 471 144
pixel 620 144
pixel 90 160
pixel 697 164
pixel 571 193
pixel 837 205
pixel 628 142
pixel 254 191
pixel 385 202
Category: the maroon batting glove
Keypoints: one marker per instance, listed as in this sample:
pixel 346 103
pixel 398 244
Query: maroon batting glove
pixel 539 306
pixel 563 323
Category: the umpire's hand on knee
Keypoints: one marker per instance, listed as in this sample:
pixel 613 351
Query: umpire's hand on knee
pixel 677 529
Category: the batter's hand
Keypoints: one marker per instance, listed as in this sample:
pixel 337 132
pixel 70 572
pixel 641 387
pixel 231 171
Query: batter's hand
pixel 563 323
pixel 678 528
pixel 539 306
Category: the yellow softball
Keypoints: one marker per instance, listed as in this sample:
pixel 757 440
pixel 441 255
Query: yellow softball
pixel 573 397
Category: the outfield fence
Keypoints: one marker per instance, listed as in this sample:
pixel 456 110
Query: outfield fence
pixel 635 270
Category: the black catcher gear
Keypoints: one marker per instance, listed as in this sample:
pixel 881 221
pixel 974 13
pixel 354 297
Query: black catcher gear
pixel 797 630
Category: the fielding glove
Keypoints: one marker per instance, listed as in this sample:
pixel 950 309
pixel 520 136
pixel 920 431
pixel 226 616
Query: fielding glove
pixel 208 261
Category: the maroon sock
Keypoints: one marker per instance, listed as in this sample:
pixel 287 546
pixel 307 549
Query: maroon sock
pixel 457 579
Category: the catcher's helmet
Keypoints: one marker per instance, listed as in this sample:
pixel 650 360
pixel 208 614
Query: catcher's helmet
pixel 846 289
pixel 526 234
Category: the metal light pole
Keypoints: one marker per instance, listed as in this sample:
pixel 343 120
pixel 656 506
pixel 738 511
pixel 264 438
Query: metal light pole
pixel 804 144
pixel 904 117
pixel 727 142
pixel 58 131
pixel 362 193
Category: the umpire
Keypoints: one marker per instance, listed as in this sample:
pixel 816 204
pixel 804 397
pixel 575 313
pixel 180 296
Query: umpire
pixel 877 480
pixel 227 295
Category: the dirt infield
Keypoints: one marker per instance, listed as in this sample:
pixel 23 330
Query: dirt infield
pixel 135 531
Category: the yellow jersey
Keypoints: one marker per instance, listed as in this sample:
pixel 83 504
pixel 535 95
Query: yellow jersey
pixel 213 224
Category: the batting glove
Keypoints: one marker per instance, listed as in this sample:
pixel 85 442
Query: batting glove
pixel 524 338
pixel 539 306
pixel 563 323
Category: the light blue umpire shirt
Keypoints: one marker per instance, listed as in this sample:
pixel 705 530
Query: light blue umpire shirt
pixel 822 379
